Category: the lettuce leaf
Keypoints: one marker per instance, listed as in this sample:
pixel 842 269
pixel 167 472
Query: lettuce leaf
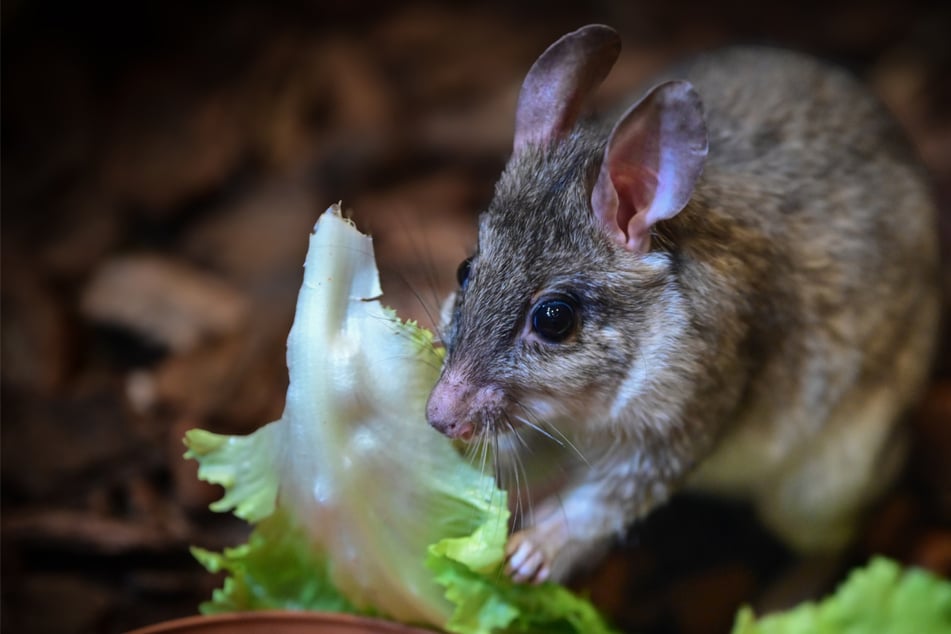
pixel 273 571
pixel 882 598
pixel 359 505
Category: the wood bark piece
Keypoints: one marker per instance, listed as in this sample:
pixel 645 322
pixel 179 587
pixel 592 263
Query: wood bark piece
pixel 82 531
pixel 36 347
pixel 163 300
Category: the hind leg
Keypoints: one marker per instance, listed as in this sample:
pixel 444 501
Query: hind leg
pixel 815 500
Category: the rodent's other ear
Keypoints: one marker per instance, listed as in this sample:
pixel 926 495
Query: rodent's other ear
pixel 652 161
pixel 558 82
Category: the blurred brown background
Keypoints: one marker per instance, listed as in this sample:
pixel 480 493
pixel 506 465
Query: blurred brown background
pixel 162 165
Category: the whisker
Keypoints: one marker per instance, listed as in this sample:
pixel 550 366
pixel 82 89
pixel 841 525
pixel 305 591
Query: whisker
pixel 522 489
pixel 431 313
pixel 475 455
pixel 500 488
pixel 429 265
pixel 502 476
pixel 484 450
pixel 570 444
pixel 540 427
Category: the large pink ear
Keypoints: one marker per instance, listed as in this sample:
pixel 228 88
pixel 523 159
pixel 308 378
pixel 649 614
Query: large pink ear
pixel 558 82
pixel 652 161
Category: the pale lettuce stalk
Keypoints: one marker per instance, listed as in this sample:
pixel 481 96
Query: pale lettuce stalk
pixel 361 505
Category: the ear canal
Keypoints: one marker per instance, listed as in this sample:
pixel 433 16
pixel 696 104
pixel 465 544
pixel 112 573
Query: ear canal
pixel 654 156
pixel 560 80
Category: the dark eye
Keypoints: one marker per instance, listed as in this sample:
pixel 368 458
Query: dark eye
pixel 555 319
pixel 462 273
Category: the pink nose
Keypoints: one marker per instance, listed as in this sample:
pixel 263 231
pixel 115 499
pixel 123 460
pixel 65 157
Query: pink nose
pixel 458 409
pixel 446 408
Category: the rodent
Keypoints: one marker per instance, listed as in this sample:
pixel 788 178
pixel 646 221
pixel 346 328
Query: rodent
pixel 730 287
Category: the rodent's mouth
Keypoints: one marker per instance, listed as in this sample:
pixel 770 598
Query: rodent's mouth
pixel 474 432
pixel 465 432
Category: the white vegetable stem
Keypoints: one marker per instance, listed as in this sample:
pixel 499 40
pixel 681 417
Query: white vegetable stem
pixel 356 455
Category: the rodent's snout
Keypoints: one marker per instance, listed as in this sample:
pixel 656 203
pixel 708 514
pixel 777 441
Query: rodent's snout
pixel 443 411
pixel 459 409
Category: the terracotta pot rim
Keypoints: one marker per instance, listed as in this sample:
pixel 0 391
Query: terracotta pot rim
pixel 260 617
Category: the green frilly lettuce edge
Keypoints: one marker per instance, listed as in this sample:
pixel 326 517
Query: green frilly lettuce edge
pixel 274 570
pixel 493 603
pixel 881 598
pixel 240 464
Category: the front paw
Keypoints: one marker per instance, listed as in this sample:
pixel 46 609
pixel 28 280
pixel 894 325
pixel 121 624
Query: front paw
pixel 525 559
